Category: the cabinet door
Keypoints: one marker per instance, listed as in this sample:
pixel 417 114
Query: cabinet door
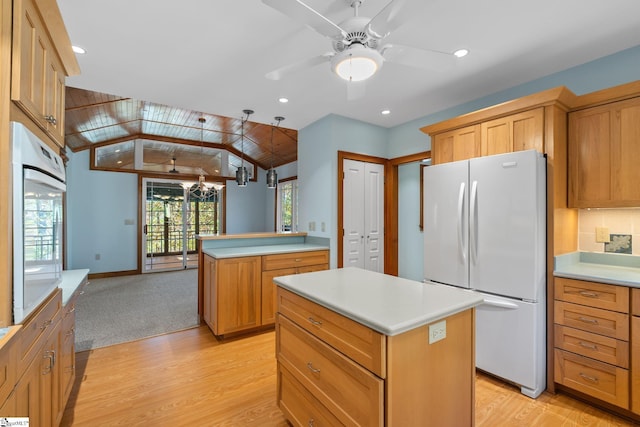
pixel 238 288
pixel 517 132
pixel 54 100
pixel 458 144
pixel 269 300
pixel 209 273
pixel 27 394
pixel 604 154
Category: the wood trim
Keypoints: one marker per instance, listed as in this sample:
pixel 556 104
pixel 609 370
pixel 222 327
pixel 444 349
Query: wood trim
pixel 605 96
pixel 58 33
pixel 391 219
pixel 410 158
pixel 556 96
pixel 113 274
pixel 342 155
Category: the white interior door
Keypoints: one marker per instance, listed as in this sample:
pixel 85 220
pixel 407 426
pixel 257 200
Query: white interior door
pixel 363 215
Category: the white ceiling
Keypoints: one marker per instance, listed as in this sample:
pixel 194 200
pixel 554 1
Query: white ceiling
pixel 212 55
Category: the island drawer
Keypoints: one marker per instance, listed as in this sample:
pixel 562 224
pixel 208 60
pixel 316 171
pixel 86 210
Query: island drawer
pixel 295 259
pixel 599 295
pixel 353 394
pixel 360 343
pixel 599 347
pixel 601 380
pixel 635 301
pixel 598 321
pixel 299 405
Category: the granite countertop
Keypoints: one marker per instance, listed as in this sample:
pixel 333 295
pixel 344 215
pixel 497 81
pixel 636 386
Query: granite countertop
pixel 243 251
pixel 387 304
pixel 615 269
pixel 71 279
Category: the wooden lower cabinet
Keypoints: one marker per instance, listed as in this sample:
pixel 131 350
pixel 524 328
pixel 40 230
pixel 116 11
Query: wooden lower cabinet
pixel 335 371
pixel 593 340
pixel 238 292
pixel 635 351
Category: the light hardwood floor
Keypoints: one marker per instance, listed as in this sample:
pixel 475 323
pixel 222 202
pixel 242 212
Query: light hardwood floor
pixel 190 378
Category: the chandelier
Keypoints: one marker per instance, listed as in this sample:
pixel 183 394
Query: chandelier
pixel 202 190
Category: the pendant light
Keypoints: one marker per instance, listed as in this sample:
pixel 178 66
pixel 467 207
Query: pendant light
pixel 272 175
pixel 242 176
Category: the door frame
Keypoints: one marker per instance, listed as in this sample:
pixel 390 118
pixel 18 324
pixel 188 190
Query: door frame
pixel 390 203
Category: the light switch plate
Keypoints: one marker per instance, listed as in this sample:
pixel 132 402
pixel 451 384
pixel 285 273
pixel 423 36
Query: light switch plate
pixel 602 235
pixel 437 331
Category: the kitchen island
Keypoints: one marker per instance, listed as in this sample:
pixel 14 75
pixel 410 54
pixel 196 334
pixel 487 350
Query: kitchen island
pixel 356 347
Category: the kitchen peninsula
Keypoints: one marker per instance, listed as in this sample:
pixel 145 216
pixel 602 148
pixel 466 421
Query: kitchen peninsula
pixel 356 347
pixel 235 275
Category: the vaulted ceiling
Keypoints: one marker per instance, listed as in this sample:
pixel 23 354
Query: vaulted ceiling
pixel 96 119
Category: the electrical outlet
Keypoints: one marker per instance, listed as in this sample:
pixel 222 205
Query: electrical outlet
pixel 602 235
pixel 97 257
pixel 312 226
pixel 437 331
pixel 323 228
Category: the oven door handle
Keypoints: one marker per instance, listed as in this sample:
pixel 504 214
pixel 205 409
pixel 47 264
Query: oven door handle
pixel 33 175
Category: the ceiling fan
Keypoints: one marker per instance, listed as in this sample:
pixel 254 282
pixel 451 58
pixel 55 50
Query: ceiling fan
pixel 358 48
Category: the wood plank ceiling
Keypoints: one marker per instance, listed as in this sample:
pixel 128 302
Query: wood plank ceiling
pixel 94 119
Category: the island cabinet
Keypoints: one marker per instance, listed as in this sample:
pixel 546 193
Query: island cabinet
pixel 38 75
pixel 604 155
pixel 592 339
pixel 635 351
pixel 334 370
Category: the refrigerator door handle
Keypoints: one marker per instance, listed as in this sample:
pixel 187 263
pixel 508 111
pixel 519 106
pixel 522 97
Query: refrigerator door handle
pixel 473 222
pixel 501 304
pixel 461 241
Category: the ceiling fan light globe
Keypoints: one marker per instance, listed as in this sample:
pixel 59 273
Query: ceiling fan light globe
pixel 357 63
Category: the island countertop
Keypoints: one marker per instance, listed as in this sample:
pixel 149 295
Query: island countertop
pixel 387 304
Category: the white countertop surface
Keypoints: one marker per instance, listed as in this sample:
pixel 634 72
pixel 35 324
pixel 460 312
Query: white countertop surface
pixel 387 304
pixel 71 279
pixel 614 269
pixel 243 251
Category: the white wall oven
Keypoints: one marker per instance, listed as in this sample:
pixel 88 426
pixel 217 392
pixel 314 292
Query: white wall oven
pixel 38 188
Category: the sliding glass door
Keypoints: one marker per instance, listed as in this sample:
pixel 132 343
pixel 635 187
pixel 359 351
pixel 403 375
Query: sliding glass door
pixel 171 218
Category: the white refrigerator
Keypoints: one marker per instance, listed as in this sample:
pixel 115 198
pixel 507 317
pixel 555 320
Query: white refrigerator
pixel 485 230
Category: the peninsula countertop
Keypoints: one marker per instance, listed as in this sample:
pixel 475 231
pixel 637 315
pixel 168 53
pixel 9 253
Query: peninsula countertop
pixel 615 269
pixel 387 304
pixel 257 250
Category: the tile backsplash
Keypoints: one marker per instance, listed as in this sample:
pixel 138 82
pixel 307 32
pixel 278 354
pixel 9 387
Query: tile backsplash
pixel 620 222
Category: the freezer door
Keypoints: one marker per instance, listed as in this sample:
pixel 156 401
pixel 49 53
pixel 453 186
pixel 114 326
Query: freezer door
pixel 510 342
pixel 507 218
pixel 446 229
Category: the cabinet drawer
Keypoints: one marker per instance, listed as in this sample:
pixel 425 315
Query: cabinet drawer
pixel 635 301
pixel 299 405
pixel 37 326
pixel 600 380
pixel 297 259
pixel 599 347
pixel 353 394
pixel 598 321
pixel 360 343
pixel 599 295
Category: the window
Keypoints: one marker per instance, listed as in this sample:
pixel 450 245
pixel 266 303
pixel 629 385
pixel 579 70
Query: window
pixel 287 208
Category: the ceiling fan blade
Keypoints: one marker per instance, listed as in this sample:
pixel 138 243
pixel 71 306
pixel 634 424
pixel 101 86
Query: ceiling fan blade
pixel 419 58
pixel 394 14
pixel 297 66
pixel 355 90
pixel 301 12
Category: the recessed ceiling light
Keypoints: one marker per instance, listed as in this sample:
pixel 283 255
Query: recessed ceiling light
pixel 461 53
pixel 283 100
pixel 119 162
pixel 385 112
pixel 78 49
pixel 117 150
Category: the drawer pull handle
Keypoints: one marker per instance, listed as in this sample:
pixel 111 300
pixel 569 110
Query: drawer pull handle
pixel 298 259
pixel 314 321
pixel 589 294
pixel 312 369
pixel 46 324
pixel 588 345
pixel 71 310
pixel 585 320
pixel 589 378
pixel 310 423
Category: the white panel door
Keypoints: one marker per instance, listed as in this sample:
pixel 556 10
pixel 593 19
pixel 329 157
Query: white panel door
pixel 363 215
pixel 352 214
pixel 374 217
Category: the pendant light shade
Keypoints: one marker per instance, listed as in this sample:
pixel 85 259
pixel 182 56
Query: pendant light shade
pixel 272 175
pixel 242 176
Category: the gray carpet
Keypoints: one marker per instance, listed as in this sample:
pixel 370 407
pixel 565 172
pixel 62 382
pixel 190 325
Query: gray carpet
pixel 121 309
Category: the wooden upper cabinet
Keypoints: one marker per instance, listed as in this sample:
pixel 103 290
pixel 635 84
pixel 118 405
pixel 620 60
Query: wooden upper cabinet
pixel 604 154
pixel 38 71
pixel 517 132
pixel 457 144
